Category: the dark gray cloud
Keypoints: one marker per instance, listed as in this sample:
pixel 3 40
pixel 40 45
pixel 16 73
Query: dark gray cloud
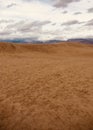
pixel 32 26
pixel 89 23
pixel 56 3
pixel 26 28
pixel 27 0
pixel 63 3
pixel 90 10
pixel 76 13
pixel 38 23
pixel 53 24
pixel 22 30
pixel 11 5
pixel 65 12
pixel 73 22
pixel 5 21
pixel 5 33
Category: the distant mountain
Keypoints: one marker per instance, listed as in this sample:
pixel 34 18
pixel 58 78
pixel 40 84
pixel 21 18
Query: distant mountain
pixel 52 41
pixel 29 41
pixel 83 40
pixel 13 40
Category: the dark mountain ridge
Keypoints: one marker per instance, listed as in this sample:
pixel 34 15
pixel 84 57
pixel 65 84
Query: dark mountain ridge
pixel 82 40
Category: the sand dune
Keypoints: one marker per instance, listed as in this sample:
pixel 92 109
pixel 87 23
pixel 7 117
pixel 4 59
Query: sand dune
pixel 46 87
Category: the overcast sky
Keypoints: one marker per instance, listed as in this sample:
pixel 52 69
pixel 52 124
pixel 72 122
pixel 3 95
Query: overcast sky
pixel 46 19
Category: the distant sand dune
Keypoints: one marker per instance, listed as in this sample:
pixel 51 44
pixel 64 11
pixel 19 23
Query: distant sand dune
pixel 46 87
pixel 45 48
pixel 7 47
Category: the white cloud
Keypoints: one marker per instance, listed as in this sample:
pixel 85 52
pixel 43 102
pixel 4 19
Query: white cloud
pixel 17 18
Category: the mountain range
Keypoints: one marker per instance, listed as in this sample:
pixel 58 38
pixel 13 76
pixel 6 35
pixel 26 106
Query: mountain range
pixel 82 40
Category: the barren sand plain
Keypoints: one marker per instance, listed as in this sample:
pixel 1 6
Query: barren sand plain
pixel 46 87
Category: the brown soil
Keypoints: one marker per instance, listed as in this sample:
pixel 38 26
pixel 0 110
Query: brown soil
pixel 46 87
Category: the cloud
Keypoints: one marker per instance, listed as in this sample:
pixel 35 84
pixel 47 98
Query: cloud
pixel 90 10
pixel 28 0
pixel 65 12
pixel 11 5
pixel 5 21
pixel 44 19
pixel 69 23
pixel 24 29
pixel 76 13
pixel 35 26
pixel 63 3
pixel 53 24
pixel 5 33
pixel 89 23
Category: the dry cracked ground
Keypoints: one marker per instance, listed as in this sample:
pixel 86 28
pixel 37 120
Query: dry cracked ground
pixel 46 87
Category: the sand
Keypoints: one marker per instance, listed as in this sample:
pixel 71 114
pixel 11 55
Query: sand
pixel 46 87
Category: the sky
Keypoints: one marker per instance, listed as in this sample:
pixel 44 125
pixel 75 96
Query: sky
pixel 46 19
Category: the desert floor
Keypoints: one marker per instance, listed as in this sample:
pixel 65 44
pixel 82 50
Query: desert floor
pixel 46 87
